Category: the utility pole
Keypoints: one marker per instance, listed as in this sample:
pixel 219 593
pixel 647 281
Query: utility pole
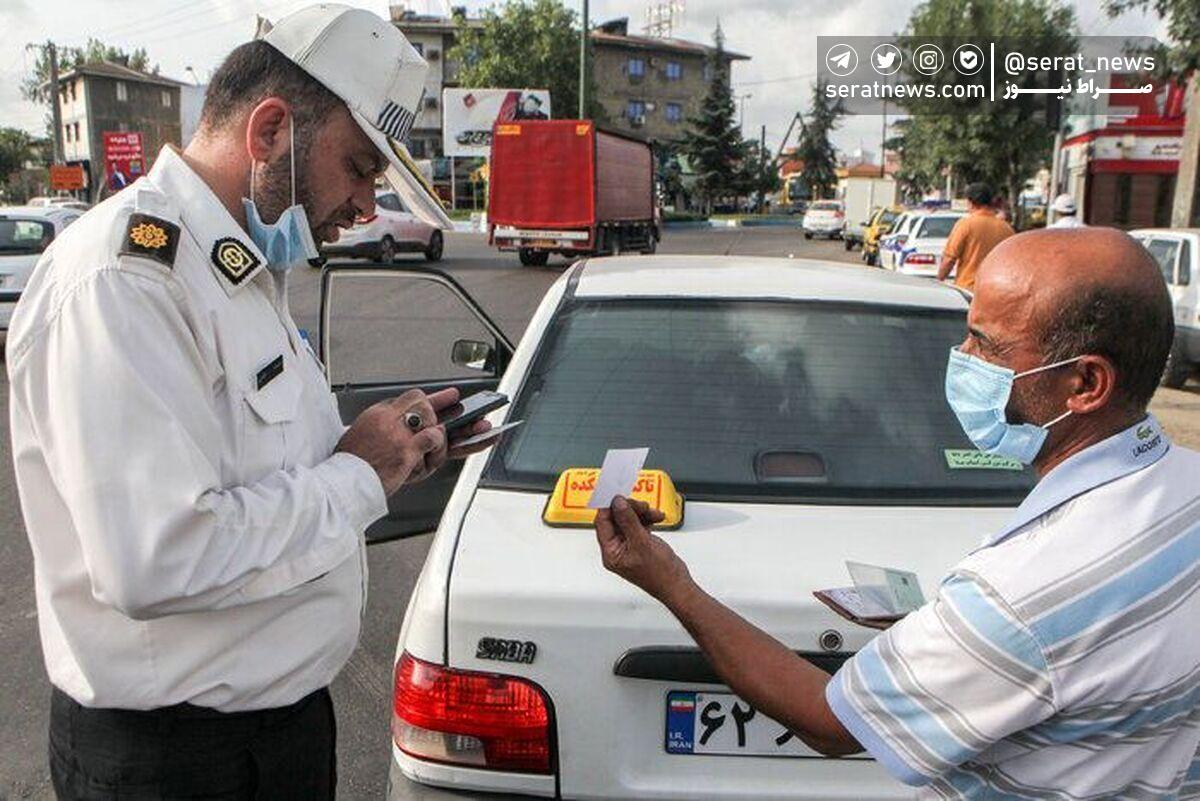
pixel 51 53
pixel 762 162
pixel 1186 208
pixel 583 62
pixel 882 144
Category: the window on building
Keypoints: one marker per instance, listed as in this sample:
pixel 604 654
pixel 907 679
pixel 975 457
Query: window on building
pixel 73 85
pixel 76 126
pixel 122 92
pixel 674 71
pixel 636 68
pixel 674 112
pixel 635 110
pixel 708 71
pixel 166 98
pixel 67 131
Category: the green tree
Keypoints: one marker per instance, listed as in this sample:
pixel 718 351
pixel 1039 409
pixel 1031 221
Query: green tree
pixel 35 87
pixel 16 147
pixel 525 45
pixel 713 140
pixel 1002 143
pixel 814 148
pixel 1182 55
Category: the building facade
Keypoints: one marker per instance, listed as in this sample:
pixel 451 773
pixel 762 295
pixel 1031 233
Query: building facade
pixel 100 98
pixel 433 37
pixel 649 86
pixel 1119 161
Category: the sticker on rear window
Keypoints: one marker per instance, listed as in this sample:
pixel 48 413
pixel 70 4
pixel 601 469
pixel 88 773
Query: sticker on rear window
pixel 978 460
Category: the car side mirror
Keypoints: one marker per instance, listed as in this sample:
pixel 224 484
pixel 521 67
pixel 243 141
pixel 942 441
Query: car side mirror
pixel 473 355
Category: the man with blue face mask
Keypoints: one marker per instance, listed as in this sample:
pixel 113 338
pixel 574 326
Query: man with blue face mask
pixel 194 504
pixel 1060 659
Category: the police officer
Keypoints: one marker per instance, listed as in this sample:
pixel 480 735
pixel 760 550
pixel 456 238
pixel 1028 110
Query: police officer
pixel 194 504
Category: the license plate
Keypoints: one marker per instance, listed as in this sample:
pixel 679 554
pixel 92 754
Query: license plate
pixel 543 243
pixel 723 724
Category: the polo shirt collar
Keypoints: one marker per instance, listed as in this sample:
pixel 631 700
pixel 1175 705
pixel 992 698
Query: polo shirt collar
pixel 1128 451
pixel 232 255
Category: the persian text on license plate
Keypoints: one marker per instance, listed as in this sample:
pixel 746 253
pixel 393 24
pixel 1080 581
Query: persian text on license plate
pixel 722 723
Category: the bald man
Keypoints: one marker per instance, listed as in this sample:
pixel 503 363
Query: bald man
pixel 1060 659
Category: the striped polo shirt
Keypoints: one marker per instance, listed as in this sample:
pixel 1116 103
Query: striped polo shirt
pixel 1061 660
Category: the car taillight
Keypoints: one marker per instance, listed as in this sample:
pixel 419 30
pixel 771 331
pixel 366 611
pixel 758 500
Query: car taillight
pixel 480 720
pixel 919 258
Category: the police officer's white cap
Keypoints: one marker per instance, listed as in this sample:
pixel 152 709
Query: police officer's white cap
pixel 1064 204
pixel 369 64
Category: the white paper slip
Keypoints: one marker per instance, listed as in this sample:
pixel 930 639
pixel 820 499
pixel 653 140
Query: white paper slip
pixel 618 474
pixel 486 436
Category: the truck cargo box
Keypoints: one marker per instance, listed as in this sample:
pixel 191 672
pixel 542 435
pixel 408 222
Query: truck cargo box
pixel 565 174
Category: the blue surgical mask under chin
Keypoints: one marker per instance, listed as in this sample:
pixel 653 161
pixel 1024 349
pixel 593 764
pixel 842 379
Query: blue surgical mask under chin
pixel 287 242
pixel 978 393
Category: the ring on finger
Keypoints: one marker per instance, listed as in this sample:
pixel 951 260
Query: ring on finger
pixel 413 421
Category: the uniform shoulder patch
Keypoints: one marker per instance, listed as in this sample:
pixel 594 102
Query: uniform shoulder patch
pixel 233 259
pixel 150 237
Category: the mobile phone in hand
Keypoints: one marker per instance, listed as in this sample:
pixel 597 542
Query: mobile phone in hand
pixel 470 410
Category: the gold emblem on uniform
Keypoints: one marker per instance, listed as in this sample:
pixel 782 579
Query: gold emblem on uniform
pixel 233 259
pixel 148 235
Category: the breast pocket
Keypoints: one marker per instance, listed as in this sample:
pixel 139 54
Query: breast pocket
pixel 272 434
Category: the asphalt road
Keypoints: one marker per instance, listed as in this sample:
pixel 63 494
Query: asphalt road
pixel 510 294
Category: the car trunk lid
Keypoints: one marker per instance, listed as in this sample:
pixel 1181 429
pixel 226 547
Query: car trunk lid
pixel 515 578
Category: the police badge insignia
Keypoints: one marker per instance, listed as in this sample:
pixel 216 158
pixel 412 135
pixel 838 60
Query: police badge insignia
pixel 233 259
pixel 150 237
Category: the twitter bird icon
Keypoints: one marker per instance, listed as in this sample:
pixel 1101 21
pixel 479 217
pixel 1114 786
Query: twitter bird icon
pixel 886 59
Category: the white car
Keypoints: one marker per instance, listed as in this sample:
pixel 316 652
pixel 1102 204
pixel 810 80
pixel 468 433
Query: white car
pixel 824 218
pixel 921 253
pixel 390 231
pixel 1177 251
pixel 797 405
pixel 64 201
pixel 893 242
pixel 25 232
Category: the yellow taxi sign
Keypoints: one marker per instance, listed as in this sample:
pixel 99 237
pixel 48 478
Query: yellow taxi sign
pixel 508 130
pixel 567 506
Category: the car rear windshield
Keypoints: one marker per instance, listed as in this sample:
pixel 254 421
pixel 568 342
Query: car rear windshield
pixel 23 237
pixel 936 227
pixel 754 400
pixel 826 206
pixel 887 217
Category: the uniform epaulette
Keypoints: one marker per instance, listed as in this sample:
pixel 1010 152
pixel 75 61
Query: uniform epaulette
pixel 150 237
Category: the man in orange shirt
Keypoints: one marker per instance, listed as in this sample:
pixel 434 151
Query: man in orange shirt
pixel 973 237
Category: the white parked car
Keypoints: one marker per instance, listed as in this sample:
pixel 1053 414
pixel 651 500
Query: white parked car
pixel 25 232
pixel 891 244
pixel 1177 251
pixel 390 231
pixel 824 218
pixel 921 253
pixel 65 201
pixel 768 390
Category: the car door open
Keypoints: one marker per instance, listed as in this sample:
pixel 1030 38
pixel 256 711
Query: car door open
pixel 385 331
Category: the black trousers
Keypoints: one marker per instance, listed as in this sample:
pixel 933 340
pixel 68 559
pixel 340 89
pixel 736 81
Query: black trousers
pixel 189 752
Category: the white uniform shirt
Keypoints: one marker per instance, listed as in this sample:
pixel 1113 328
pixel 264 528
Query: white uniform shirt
pixel 1060 660
pixel 1068 221
pixel 194 539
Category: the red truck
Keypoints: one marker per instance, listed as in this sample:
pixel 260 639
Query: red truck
pixel 563 186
